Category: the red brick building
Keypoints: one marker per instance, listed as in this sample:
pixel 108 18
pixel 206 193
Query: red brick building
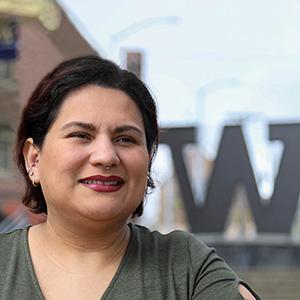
pixel 33 39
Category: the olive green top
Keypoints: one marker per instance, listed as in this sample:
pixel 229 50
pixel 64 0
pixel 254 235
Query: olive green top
pixel 155 266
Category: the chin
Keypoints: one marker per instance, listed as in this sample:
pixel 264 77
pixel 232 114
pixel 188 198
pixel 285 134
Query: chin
pixel 103 214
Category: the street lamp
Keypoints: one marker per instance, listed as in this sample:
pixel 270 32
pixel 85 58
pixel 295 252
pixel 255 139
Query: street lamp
pixel 142 24
pixel 135 27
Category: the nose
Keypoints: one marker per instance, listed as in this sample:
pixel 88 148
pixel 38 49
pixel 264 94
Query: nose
pixel 104 153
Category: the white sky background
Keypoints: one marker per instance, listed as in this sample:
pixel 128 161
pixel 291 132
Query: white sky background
pixel 223 60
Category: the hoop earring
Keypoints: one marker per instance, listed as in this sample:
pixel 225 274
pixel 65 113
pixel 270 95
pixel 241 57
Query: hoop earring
pixel 31 174
pixel 33 181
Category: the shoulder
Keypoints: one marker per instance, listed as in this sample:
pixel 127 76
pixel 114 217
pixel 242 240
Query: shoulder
pixel 16 276
pixel 176 265
pixel 178 237
pixel 10 242
pixel 12 235
pixel 11 252
pixel 182 246
pixel 183 249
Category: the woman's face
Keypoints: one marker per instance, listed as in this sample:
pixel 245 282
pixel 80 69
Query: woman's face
pixel 96 128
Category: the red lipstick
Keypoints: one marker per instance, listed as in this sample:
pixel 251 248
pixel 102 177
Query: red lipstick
pixel 105 184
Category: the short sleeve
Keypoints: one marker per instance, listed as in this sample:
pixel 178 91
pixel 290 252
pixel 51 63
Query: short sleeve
pixel 213 278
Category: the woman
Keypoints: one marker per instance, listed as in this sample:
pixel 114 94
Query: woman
pixel 85 146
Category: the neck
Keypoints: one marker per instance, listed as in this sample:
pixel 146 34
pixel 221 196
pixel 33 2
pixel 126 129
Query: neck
pixel 81 251
pixel 86 237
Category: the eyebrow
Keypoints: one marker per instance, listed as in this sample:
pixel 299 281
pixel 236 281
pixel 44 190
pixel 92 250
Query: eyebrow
pixel 128 128
pixel 91 127
pixel 83 125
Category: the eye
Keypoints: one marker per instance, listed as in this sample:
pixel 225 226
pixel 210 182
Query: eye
pixel 125 140
pixel 80 135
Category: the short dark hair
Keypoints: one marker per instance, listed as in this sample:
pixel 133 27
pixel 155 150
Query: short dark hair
pixel 46 100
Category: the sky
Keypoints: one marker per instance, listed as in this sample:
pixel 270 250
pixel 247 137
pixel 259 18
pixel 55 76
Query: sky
pixel 205 60
pixel 208 62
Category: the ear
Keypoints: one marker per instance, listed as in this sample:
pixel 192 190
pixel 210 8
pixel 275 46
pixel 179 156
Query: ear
pixel 31 157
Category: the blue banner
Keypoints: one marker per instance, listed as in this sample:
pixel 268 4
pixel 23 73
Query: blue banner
pixel 8 39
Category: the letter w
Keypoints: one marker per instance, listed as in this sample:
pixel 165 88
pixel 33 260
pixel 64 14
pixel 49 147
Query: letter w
pixel 232 167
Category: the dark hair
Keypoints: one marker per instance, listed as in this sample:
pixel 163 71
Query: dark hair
pixel 46 100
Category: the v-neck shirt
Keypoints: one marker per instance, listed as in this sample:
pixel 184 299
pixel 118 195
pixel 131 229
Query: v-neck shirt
pixel 155 266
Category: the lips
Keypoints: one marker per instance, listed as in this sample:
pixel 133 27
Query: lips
pixel 100 183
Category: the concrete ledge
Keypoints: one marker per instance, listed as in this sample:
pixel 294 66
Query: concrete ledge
pixel 264 251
